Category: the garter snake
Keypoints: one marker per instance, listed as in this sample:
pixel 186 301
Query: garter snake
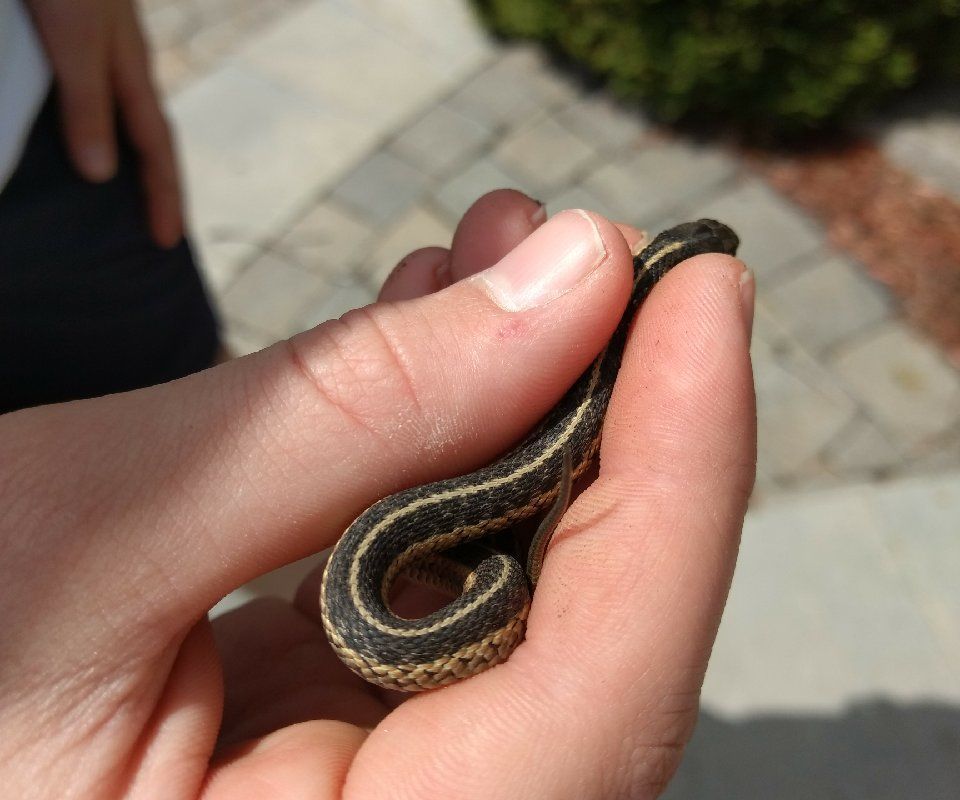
pixel 430 532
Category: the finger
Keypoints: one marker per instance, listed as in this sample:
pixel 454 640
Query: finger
pixel 495 224
pixel 635 238
pixel 424 271
pixel 491 228
pixel 306 760
pixel 278 670
pixel 603 693
pixel 148 130
pixel 182 492
pixel 75 38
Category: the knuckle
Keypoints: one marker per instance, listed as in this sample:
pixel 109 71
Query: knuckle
pixel 361 368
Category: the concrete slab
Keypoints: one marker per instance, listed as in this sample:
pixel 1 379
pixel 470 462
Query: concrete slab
pixel 544 154
pixel 836 673
pixel 646 186
pixel 827 299
pixel 271 294
pixel 440 140
pixel 254 152
pixel 904 382
pixel 381 188
pixel 800 409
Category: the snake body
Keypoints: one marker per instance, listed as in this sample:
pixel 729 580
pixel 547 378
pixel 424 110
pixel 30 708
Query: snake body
pixel 429 532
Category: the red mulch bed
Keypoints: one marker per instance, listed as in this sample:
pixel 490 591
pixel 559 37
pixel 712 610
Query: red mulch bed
pixel 906 233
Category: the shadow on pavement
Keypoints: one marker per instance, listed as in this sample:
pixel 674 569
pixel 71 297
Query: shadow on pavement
pixel 877 750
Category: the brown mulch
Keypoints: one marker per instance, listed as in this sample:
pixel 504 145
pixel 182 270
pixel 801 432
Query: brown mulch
pixel 903 231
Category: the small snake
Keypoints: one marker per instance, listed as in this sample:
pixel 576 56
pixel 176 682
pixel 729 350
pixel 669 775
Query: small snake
pixel 430 532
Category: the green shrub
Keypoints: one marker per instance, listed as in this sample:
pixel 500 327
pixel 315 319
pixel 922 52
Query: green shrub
pixel 776 66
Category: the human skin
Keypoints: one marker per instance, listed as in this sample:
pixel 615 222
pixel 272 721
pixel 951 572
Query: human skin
pixel 127 517
pixel 101 68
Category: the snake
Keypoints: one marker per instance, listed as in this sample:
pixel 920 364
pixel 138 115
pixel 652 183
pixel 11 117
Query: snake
pixel 443 533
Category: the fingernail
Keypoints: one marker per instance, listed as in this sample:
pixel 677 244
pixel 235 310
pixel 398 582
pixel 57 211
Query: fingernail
pixel 539 214
pixel 748 292
pixel 97 161
pixel 639 243
pixel 548 263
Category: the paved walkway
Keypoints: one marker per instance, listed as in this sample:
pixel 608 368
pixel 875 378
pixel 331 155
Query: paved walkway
pixel 324 139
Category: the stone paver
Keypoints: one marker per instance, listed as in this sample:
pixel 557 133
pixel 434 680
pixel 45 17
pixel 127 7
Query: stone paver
pixel 598 119
pixel 514 86
pixel 862 450
pixel 906 385
pixel 327 239
pixel 646 186
pixel 924 138
pixel 544 154
pixel 825 304
pixel 440 140
pixel 271 294
pixel 335 302
pixel 345 65
pixel 800 409
pixel 253 153
pixel 850 596
pixel 382 187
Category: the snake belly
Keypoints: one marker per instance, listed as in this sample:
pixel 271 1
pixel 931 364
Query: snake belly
pixel 426 531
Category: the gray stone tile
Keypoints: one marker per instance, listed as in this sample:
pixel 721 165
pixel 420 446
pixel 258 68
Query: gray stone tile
pixel 341 63
pixel 328 240
pixel 823 304
pixel 169 24
pixel 923 136
pixel 270 296
pixel 444 31
pixel 646 186
pixel 819 569
pixel 221 260
pixel 861 450
pixel 440 140
pixel 773 232
pixel 920 533
pixel 171 70
pixel 578 197
pixel 254 153
pixel 419 227
pixel 800 409
pixel 904 383
pixel 835 669
pixel 482 176
pixel 599 120
pixel 516 86
pixel 939 455
pixel 336 301
pixel 544 154
pixel 381 188
pixel 241 340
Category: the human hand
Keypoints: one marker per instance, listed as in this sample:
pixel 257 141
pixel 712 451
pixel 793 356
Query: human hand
pixel 127 517
pixel 101 67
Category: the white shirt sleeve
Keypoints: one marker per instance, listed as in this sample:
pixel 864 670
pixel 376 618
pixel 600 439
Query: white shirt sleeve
pixel 24 82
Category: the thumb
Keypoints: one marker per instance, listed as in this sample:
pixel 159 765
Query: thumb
pixel 179 493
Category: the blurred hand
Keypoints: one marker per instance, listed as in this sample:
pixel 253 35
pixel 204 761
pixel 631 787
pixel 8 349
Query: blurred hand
pixel 101 67
pixel 127 517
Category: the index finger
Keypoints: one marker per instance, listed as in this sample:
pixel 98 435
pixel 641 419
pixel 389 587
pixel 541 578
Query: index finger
pixel 603 694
